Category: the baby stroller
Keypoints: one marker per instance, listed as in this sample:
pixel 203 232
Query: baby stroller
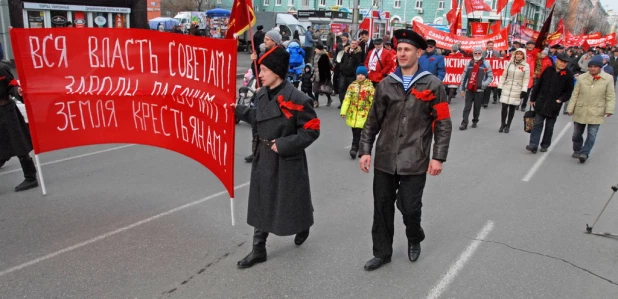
pixel 246 93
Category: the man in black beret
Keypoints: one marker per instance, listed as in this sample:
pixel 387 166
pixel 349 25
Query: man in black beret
pixel 279 196
pixel 549 93
pixel 258 39
pixel 410 109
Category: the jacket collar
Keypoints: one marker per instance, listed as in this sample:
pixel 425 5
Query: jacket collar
pixel 398 76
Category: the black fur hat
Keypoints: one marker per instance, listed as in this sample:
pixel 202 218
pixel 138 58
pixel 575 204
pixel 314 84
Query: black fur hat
pixel 277 60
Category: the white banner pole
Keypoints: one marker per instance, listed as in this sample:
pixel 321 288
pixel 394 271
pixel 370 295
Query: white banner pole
pixel 232 211
pixel 40 173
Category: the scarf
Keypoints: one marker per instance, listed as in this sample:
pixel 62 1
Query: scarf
pixel 373 62
pixel 472 81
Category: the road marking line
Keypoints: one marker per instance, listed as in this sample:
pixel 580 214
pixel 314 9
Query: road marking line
pixel 120 230
pixel 543 156
pixel 72 158
pixel 441 286
pixel 347 147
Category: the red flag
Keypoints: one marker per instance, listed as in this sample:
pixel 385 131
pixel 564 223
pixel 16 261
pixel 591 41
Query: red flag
pixel 544 31
pixel 517 6
pixel 456 24
pixel 496 26
pixel 242 18
pixel 476 5
pixel 586 45
pixel 451 14
pixel 501 5
pixel 550 3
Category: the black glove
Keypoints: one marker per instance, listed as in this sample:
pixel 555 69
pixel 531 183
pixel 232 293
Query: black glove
pixel 523 95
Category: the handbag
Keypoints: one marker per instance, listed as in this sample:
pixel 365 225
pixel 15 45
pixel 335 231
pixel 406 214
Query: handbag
pixel 326 88
pixel 529 120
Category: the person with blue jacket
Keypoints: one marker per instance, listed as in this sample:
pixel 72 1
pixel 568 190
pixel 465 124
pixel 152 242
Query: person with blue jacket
pixel 309 45
pixel 431 61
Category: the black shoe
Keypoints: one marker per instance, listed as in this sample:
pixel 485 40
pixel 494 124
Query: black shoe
pixel 376 263
pixel 301 237
pixel 575 155
pixel 531 148
pixel 523 109
pixel 27 184
pixel 414 251
pixel 2 163
pixel 329 102
pixel 485 106
pixel 255 257
pixel 583 158
pixel 495 102
pixel 339 107
pixel 353 153
pixel 506 129
pixel 463 126
pixel 501 128
pixel 565 113
pixel 249 159
pixel 543 149
pixel 473 125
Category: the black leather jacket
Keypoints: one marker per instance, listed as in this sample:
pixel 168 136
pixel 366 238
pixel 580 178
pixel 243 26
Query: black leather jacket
pixel 406 123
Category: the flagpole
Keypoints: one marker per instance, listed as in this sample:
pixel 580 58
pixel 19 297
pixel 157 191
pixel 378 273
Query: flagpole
pixel 255 71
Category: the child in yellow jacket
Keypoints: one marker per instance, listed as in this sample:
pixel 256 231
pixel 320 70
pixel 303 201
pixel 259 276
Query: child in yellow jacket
pixel 356 105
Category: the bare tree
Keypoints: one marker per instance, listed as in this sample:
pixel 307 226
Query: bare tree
pixel 171 7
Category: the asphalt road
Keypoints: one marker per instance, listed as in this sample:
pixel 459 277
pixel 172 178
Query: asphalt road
pixel 131 221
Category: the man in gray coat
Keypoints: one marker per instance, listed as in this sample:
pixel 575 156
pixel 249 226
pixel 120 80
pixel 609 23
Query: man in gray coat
pixel 475 79
pixel 279 196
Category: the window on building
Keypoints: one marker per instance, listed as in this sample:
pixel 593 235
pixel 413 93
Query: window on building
pixel 397 4
pixel 218 1
pixel 419 4
pixel 493 4
pixel 266 2
pixel 441 5
pixel 305 3
pixel 277 2
pixel 339 2
pixel 322 2
pixel 290 2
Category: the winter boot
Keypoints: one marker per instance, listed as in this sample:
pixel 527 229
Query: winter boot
pixel 27 165
pixel 258 254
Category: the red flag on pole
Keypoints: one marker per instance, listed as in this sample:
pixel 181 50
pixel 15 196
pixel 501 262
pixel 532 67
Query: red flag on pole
pixel 501 5
pixel 451 14
pixel 550 3
pixel 517 6
pixel 476 5
pixel 456 24
pixel 496 26
pixel 242 18
pixel 586 46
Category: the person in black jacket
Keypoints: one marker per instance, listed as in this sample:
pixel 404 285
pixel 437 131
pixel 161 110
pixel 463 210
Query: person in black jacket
pixel 548 94
pixel 306 81
pixel 258 38
pixel 14 133
pixel 352 59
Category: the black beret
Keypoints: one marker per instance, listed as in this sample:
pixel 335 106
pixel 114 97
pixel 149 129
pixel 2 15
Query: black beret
pixel 564 57
pixel 378 41
pixel 557 47
pixel 276 60
pixel 260 27
pixel 530 42
pixel 410 37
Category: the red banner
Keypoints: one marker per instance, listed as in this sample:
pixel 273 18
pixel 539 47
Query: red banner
pixel 602 41
pixel 476 5
pixel 479 29
pixel 444 40
pixel 524 34
pixel 96 86
pixel 456 65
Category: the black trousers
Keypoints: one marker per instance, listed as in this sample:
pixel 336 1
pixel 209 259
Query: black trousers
pixel 356 134
pixel 508 110
pixel 309 55
pixel 472 99
pixel 28 167
pixel 407 192
pixel 344 83
pixel 487 95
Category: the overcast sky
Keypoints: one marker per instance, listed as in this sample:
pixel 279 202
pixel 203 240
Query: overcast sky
pixel 610 4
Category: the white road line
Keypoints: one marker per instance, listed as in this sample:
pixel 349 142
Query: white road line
pixel 109 234
pixel 72 158
pixel 347 147
pixel 460 262
pixel 543 156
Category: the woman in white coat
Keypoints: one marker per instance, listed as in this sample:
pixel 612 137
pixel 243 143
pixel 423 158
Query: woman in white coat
pixel 514 84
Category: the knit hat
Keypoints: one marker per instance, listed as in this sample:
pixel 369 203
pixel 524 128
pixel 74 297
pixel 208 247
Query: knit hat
pixel 596 61
pixel 319 47
pixel 276 60
pixel 260 27
pixel 605 56
pixel 345 34
pixel 546 52
pixel 477 49
pixel 361 70
pixel 275 36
